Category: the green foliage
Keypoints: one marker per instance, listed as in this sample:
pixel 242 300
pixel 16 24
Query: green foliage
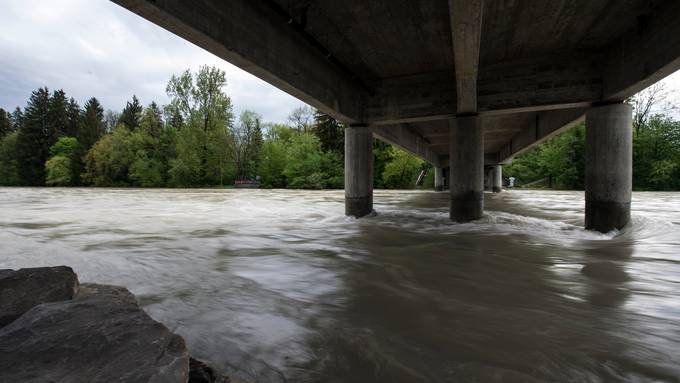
pixel 330 132
pixel 131 114
pixel 33 141
pixel 59 168
pixel 656 155
pixel 308 167
pixel 58 171
pixel 5 123
pixel 205 112
pixel 9 168
pixel 401 172
pixel 108 162
pixel 656 158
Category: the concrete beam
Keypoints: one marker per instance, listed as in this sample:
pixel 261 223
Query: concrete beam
pixel 644 55
pixel 406 138
pixel 257 38
pixel 466 32
pixel 546 125
pixel 534 84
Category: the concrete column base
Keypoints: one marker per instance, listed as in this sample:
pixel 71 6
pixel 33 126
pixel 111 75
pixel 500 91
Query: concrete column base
pixel 358 170
pixel 358 206
pixel 604 216
pixel 466 208
pixel 466 155
pixel 609 166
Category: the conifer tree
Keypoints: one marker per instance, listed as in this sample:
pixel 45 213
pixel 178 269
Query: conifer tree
pixel 92 124
pixel 5 123
pixel 74 117
pixel 33 139
pixel 57 116
pixel 132 113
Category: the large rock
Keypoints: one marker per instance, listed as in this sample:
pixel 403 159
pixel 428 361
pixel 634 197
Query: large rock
pixel 22 289
pixel 100 336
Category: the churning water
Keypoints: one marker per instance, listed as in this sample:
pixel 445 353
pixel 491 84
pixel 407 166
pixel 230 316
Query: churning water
pixel 275 286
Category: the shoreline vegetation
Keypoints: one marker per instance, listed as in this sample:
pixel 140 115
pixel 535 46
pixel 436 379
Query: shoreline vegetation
pixel 196 141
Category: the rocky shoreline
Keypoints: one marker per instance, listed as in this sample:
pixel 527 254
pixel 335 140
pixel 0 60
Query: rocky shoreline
pixel 55 329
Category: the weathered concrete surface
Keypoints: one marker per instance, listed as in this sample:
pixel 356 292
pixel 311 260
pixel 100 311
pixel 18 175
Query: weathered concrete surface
pixel 100 336
pixel 438 178
pixel 22 289
pixel 358 171
pixel 609 166
pixel 497 179
pixel 467 169
pixel 387 63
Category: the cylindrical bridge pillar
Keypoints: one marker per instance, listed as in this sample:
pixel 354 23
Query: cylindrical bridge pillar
pixel 438 178
pixel 358 170
pixel 497 180
pixel 608 167
pixel 466 154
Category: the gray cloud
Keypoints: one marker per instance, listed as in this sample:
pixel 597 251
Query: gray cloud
pixel 96 48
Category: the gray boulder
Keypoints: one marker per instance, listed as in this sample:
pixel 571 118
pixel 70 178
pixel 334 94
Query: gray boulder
pixel 22 289
pixel 100 336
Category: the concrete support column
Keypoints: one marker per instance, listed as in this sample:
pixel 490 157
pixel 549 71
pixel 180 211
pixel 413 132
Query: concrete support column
pixel 358 170
pixel 438 179
pixel 466 180
pixel 497 180
pixel 609 166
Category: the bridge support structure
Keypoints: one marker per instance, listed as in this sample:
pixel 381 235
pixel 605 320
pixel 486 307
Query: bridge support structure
pixel 438 178
pixel 609 166
pixel 358 170
pixel 466 156
pixel 497 179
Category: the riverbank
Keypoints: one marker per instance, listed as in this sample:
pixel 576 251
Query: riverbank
pixel 55 329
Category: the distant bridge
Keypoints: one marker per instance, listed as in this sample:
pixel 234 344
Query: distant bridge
pixel 460 83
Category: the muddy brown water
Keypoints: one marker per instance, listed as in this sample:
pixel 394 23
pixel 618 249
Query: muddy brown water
pixel 280 286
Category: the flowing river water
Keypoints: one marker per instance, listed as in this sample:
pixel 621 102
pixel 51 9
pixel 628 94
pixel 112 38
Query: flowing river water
pixel 280 286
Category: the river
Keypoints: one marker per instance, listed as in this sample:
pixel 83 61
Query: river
pixel 275 286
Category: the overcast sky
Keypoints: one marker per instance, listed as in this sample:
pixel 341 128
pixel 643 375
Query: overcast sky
pixel 96 48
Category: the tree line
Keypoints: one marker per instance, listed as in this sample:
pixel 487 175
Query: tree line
pixel 559 163
pixel 194 141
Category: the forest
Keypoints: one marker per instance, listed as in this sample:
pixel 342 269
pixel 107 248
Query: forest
pixel 197 141
pixel 194 141
pixel 559 162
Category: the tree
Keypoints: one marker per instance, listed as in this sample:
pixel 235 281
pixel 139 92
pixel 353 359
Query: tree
pixel 57 116
pixel 402 170
pixel 33 139
pixel 246 142
pixel 131 114
pixel 17 119
pixel 308 167
pixel 301 118
pixel 9 168
pixel 108 162
pixel 649 102
pixel 5 123
pixel 330 132
pixel 73 113
pixel 205 111
pixel 93 126
pixel 58 168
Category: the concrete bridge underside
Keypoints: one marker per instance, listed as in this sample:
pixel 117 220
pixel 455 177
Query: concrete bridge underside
pixel 460 83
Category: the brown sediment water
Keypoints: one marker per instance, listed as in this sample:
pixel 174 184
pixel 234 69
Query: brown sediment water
pixel 278 285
